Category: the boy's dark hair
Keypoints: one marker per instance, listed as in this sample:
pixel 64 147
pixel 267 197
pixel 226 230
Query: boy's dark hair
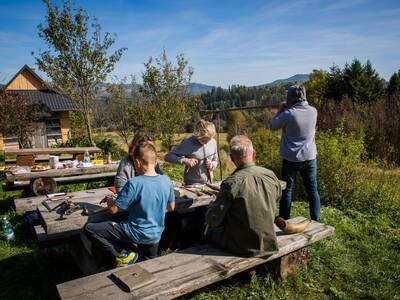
pixel 146 153
pixel 139 138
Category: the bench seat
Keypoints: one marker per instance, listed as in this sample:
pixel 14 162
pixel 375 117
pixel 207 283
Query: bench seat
pixel 185 271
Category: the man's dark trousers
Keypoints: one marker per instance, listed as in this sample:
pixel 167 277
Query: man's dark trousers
pixel 308 172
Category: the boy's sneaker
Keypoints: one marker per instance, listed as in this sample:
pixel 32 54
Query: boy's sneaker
pixel 127 259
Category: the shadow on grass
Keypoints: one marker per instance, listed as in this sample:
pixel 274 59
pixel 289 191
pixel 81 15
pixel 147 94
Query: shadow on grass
pixel 35 274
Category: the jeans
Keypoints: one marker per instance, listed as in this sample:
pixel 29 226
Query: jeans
pixel 110 237
pixel 308 172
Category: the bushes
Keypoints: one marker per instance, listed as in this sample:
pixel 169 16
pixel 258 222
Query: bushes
pixel 344 180
pixel 339 155
pixel 266 143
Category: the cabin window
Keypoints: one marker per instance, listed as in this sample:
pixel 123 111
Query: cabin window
pixel 53 129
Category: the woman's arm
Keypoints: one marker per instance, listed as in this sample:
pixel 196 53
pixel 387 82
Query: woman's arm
pixel 125 172
pixel 177 154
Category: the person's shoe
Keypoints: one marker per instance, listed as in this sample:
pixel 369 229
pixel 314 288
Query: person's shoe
pixel 127 259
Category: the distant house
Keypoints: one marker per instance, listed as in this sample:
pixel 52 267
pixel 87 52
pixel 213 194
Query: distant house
pixel 53 127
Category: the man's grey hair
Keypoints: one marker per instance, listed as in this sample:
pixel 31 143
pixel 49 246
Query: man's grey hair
pixel 240 146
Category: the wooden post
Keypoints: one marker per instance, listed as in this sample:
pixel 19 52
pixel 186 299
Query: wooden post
pixel 218 144
pixel 289 264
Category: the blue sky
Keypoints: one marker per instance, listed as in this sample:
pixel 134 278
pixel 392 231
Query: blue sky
pixel 226 42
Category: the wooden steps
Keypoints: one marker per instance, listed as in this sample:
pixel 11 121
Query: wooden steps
pixel 182 272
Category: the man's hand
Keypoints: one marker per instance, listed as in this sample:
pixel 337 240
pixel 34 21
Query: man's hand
pixel 208 164
pixel 107 199
pixel 191 162
pixel 282 106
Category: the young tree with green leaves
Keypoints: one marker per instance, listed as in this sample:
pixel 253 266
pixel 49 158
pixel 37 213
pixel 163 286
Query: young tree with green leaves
pixel 165 88
pixel 316 87
pixel 235 124
pixel 77 59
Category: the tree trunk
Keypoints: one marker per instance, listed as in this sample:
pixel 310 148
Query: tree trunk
pixel 89 129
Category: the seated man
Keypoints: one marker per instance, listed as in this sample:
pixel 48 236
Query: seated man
pixel 241 220
pixel 146 198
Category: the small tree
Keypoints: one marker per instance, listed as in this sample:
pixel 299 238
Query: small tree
pixel 119 110
pixel 16 117
pixel 165 88
pixel 235 123
pixel 316 87
pixel 77 59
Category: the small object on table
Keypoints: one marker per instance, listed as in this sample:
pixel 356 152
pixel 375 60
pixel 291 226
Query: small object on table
pixel 39 168
pixel 53 161
pixel 97 162
pixel 133 277
pixel 291 227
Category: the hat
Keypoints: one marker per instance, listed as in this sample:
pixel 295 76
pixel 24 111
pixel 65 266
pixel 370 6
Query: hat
pixel 296 93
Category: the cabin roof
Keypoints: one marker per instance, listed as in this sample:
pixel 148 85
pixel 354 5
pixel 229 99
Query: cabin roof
pixel 31 71
pixel 44 95
pixel 53 100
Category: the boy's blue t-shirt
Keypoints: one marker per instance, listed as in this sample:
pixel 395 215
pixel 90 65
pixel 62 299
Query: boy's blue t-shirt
pixel 146 199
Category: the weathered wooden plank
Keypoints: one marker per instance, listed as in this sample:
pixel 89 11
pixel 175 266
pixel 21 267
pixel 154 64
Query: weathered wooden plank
pixel 62 172
pixel 22 185
pixel 183 272
pixel 31 203
pixel 41 158
pixel 38 151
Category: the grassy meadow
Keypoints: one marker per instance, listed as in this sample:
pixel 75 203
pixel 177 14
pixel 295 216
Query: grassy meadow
pixel 361 199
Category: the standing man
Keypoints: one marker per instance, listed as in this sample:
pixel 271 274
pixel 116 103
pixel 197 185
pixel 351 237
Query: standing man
pixel 241 219
pixel 298 120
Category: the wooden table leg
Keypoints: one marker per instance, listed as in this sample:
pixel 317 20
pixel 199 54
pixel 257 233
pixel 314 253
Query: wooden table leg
pixel 289 264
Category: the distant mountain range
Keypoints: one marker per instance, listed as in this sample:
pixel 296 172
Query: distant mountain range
pixel 298 78
pixel 199 88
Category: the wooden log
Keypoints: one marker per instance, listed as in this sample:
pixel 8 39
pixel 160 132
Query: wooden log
pixel 43 186
pixel 289 264
pixel 183 272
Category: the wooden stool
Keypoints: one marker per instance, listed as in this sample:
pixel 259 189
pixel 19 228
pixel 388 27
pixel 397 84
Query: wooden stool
pixel 25 160
pixel 43 186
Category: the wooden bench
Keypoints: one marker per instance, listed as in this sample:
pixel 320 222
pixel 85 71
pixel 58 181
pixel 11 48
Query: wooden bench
pixel 183 272
pixel 26 185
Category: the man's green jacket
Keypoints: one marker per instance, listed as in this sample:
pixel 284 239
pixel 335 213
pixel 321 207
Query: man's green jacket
pixel 244 212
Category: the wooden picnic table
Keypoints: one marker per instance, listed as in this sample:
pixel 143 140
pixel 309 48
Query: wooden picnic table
pixel 59 226
pixel 95 169
pixel 39 151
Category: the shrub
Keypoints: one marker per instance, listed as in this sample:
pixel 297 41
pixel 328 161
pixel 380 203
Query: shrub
pixel 266 143
pixel 339 156
pixel 109 146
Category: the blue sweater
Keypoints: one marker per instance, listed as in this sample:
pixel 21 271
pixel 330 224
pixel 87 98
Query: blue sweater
pixel 298 132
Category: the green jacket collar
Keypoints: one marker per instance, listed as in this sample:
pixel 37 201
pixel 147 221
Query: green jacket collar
pixel 244 166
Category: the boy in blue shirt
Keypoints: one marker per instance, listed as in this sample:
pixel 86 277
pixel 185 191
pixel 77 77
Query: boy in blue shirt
pixel 146 198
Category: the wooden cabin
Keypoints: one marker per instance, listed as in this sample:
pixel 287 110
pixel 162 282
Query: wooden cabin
pixel 53 127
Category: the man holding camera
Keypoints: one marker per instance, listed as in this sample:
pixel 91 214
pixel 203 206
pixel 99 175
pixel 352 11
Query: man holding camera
pixel 298 151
